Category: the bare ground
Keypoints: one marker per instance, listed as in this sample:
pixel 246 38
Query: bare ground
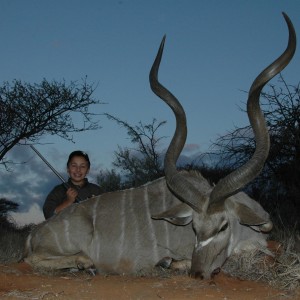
pixel 19 281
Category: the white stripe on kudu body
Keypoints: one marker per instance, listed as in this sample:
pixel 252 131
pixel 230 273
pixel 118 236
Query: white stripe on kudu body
pixel 131 230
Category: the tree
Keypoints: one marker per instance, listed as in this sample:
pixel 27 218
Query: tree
pixel 12 237
pixel 7 206
pixel 29 111
pixel 140 164
pixel 280 179
pixel 109 181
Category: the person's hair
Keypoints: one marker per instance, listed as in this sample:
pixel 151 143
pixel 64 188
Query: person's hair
pixel 79 153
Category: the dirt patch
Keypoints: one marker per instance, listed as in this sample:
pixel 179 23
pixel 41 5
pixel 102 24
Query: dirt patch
pixel 19 281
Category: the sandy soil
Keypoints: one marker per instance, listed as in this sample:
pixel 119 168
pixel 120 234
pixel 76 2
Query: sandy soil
pixel 19 281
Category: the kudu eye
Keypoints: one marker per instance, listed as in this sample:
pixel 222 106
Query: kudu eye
pixel 224 227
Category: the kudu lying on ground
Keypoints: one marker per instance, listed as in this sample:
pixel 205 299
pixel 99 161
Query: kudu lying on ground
pixel 125 231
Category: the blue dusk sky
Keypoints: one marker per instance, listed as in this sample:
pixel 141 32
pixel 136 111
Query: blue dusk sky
pixel 213 52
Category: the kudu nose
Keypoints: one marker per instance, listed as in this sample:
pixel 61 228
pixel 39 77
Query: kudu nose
pixel 197 275
pixel 200 275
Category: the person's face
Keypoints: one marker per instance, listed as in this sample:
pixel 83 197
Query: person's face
pixel 78 168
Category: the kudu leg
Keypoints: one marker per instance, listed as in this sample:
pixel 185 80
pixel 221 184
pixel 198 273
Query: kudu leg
pixel 173 264
pixel 78 261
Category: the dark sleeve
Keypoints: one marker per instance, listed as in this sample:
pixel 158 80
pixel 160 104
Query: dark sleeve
pixel 96 190
pixel 90 190
pixel 55 198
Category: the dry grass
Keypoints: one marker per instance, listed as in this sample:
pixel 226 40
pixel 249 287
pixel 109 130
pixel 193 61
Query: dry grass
pixel 12 241
pixel 281 271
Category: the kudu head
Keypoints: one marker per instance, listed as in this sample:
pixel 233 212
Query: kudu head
pixel 217 212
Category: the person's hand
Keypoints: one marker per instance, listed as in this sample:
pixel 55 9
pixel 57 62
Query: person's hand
pixel 71 195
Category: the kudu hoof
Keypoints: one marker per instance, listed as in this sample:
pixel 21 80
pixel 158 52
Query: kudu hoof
pixel 165 262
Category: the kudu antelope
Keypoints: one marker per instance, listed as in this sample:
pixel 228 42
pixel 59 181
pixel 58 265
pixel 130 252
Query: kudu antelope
pixel 126 231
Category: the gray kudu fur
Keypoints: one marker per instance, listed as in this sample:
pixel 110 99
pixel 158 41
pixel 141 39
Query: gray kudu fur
pixel 126 231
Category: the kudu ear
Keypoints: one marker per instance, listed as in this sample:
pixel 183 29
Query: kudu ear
pixel 180 214
pixel 249 217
